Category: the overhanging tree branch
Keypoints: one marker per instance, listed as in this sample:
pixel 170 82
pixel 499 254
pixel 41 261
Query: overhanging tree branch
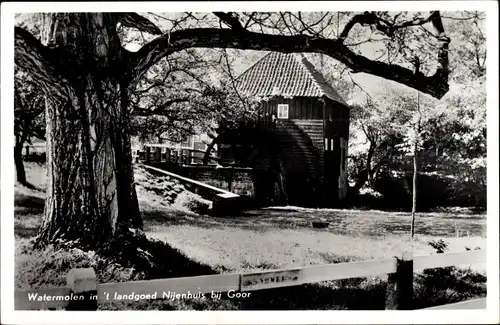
pixel 435 85
pixel 231 19
pixel 134 20
pixel 382 25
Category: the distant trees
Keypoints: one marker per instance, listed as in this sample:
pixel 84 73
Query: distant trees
pixel 29 118
pixel 397 129
pixel 392 132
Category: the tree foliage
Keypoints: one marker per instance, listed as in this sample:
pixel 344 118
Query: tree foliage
pixel 29 120
pixel 450 132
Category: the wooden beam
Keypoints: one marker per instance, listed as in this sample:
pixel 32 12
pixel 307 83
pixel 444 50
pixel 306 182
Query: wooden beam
pixel 317 273
pixel 469 304
pixel 449 259
pixel 174 286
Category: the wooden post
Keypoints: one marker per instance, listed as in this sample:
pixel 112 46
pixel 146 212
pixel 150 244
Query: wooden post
pixel 183 157
pixel 83 285
pixel 167 155
pixel 27 150
pixel 229 175
pixel 148 151
pixel 158 154
pixel 399 292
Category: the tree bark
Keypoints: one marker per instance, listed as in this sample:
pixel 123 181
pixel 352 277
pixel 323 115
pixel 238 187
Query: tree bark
pixel 91 197
pixel 369 158
pixel 210 146
pixel 415 167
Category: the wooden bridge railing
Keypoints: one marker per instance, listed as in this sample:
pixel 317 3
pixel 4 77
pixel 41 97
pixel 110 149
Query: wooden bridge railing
pixel 84 293
pixel 176 156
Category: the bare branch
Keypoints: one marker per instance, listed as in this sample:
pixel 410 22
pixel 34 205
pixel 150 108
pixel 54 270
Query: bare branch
pixel 160 109
pixel 247 24
pixel 382 25
pixel 357 85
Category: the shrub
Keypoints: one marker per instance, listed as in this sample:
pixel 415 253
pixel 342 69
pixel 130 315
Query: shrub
pixel 48 267
pixel 446 285
pixel 193 203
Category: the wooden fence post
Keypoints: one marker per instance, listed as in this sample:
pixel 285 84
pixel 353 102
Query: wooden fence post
pixel 158 154
pixel 83 285
pixel 399 292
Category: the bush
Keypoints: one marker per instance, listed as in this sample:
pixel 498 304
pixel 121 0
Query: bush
pixel 446 285
pixel 48 267
pixel 433 191
pixel 193 203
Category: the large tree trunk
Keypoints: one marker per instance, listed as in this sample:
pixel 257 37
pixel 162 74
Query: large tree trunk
pixel 91 197
pixel 18 160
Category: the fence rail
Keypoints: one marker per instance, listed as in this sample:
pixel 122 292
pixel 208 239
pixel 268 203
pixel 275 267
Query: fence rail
pixel 82 282
pixel 469 304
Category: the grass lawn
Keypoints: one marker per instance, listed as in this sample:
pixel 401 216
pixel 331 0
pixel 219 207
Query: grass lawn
pixel 265 239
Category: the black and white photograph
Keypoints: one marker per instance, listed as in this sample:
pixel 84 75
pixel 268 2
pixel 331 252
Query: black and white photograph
pixel 250 157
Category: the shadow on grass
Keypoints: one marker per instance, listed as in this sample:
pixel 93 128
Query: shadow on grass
pixel 24 230
pixel 28 211
pixel 316 297
pixel 171 262
pixel 157 217
pixel 154 217
pixel 23 201
pixel 304 297
pixel 447 285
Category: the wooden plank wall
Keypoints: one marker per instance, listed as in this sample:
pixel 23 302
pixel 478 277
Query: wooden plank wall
pixel 299 107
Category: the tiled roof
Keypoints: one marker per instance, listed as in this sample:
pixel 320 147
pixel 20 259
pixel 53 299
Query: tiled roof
pixel 288 75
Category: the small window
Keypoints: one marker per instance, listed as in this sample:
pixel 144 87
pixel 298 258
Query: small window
pixel 283 111
pixel 188 142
